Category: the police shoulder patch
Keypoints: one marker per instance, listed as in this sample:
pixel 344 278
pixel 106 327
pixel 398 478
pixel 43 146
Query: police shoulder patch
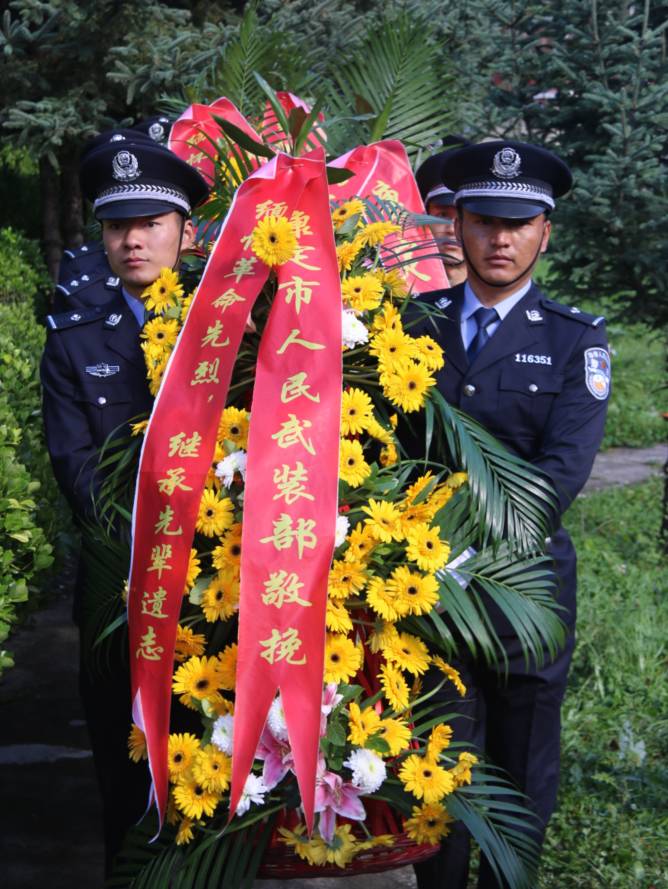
pixel 573 313
pixel 73 318
pixel 597 372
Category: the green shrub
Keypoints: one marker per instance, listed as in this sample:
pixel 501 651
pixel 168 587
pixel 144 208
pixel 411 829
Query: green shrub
pixel 23 275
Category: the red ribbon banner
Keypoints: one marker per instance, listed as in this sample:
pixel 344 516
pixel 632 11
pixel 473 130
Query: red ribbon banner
pixel 287 544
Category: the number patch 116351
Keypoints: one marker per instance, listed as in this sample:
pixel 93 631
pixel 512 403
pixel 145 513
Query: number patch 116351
pixel 523 358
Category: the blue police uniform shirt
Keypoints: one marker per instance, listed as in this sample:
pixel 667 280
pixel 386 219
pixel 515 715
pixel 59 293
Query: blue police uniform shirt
pixel 136 306
pixel 471 304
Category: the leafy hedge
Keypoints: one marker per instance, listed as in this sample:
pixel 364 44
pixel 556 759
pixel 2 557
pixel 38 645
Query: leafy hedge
pixel 32 514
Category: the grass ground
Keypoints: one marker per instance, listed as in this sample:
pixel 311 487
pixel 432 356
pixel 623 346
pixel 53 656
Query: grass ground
pixel 611 829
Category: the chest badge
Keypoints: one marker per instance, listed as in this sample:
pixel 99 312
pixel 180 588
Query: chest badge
pixel 443 302
pixel 597 372
pixel 534 316
pixel 102 370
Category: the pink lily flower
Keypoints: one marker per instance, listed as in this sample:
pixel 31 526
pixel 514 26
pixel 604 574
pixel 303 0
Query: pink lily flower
pixel 334 797
pixel 277 757
pixel 329 701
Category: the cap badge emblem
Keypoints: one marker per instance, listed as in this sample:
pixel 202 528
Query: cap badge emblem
pixel 157 132
pixel 506 164
pixel 125 166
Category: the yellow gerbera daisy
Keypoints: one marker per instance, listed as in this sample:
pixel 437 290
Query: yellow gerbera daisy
pixel 181 750
pixel 212 769
pixel 396 734
pixel 185 306
pixel 188 644
pixel 193 800
pixel 193 571
pixel 384 520
pixel 163 292
pixel 383 635
pixel 345 578
pixel 408 389
pixel 273 240
pixel 342 658
pixel 439 739
pixel 220 599
pixel 409 653
pixel 350 208
pixel 198 678
pixel 388 318
pixel 379 432
pixel 456 479
pixel 362 724
pixel 395 687
pixel 353 468
pixel 451 674
pixel 227 666
pixel 393 348
pixel 160 332
pixel 395 283
pixel 138 428
pixel 337 618
pixel 383 599
pixel 414 593
pixel 233 427
pixel 346 254
pixel 425 779
pixel 426 548
pixel 374 233
pixel 429 823
pixel 389 455
pixel 137 744
pixel 215 514
pixel 356 411
pixel 362 292
pixel 227 555
pixel 312 850
pixel 185 833
pixel 461 773
pixel 429 353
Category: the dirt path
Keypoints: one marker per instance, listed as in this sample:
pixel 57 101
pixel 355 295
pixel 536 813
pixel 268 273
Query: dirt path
pixel 50 818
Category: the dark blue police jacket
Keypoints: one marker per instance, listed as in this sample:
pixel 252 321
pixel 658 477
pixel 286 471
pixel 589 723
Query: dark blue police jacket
pixel 540 385
pixel 94 383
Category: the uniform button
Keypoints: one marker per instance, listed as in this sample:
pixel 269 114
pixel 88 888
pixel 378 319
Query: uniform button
pixel 101 399
pixel 469 390
pixel 533 388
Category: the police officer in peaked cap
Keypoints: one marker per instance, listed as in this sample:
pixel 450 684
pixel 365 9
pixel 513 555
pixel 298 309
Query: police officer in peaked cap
pixel 536 374
pixel 439 200
pixel 94 383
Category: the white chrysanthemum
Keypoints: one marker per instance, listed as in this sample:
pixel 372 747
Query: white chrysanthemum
pixel 353 331
pixel 234 462
pixel 342 526
pixel 223 732
pixel 253 792
pixel 368 770
pixel 276 720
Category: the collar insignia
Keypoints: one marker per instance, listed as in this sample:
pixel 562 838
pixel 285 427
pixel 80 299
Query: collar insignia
pixel 534 316
pixel 443 302
pixel 102 369
pixel 112 282
pixel 113 320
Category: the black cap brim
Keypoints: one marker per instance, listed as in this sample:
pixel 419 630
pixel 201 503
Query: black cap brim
pixel 132 209
pixel 503 208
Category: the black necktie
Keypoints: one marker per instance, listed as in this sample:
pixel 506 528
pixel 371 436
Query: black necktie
pixel 483 318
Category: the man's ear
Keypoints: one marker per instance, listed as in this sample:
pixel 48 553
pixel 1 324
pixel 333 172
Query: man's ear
pixel 547 228
pixel 458 227
pixel 188 236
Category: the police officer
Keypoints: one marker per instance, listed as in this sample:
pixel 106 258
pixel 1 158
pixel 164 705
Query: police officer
pixel 536 374
pixel 94 383
pixel 439 200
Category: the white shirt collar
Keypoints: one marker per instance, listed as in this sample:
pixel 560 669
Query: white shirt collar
pixel 472 303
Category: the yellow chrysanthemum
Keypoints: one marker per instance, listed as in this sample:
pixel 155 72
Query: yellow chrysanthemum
pixel 383 635
pixel 337 618
pixel 342 658
pixel 396 734
pixel 345 578
pixel 346 254
pixel 181 750
pixel 362 724
pixel 425 779
pixel 356 411
pixel 439 739
pixel 193 800
pixel 161 332
pixel 227 555
pixel 353 468
pixel 362 292
pixel 340 214
pixel 375 233
pixel 273 240
pixel 409 653
pixel 188 644
pixel 384 520
pixel 227 666
pixel 461 773
pixel 215 514
pixel 395 283
pixel 220 599
pixel 387 319
pixel 394 350
pixel 383 599
pixel 137 744
pixel 395 687
pixel 361 543
pixel 408 388
pixel 233 427
pixel 185 833
pixel 414 593
pixel 429 823
pixel 426 548
pixel 212 769
pixel 429 353
pixel 193 571
pixel 198 678
pixel 164 292
pixel 450 673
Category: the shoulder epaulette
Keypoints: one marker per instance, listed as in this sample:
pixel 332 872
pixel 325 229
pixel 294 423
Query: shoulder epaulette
pixel 84 250
pixel 573 313
pixel 76 318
